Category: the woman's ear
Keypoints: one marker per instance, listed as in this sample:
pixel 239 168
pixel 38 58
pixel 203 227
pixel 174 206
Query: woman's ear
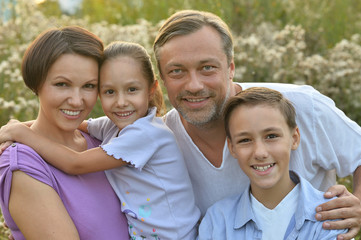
pixel 296 138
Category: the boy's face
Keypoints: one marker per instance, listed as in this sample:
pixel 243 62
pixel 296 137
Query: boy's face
pixel 262 142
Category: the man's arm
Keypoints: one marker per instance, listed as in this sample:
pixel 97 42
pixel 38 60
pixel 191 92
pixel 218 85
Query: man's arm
pixel 346 207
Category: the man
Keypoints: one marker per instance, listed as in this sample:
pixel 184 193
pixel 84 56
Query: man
pixel 194 52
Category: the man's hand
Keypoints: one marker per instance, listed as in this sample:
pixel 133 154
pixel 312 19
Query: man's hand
pixel 345 207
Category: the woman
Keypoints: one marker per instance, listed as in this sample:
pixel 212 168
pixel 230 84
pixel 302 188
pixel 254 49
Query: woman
pixel 37 200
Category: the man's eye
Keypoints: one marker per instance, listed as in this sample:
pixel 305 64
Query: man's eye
pixel 176 71
pixel 208 68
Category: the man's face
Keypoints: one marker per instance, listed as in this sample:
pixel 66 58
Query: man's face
pixel 197 76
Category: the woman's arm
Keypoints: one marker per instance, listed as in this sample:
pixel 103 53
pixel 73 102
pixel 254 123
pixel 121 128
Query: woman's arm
pixel 38 210
pixel 58 155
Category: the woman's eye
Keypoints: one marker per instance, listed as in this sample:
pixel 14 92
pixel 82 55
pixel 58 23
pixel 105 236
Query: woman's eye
pixel 90 85
pixel 61 84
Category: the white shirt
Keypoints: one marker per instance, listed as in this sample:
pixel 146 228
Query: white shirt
pixel 274 222
pixel 329 141
pixel 155 190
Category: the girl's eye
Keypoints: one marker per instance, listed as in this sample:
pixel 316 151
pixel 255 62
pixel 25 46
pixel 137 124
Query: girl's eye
pixel 132 89
pixel 110 91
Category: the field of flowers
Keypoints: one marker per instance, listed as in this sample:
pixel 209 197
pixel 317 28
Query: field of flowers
pixel 266 49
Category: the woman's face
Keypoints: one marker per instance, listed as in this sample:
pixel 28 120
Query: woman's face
pixel 69 92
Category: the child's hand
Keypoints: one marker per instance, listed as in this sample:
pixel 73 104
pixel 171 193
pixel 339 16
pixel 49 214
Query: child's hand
pixel 7 133
pixel 4 146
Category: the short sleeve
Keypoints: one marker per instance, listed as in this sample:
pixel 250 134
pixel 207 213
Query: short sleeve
pixel 19 157
pixel 101 128
pixel 134 145
pixel 338 137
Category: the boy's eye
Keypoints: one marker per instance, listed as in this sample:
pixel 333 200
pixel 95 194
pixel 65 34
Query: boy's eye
pixel 270 136
pixel 244 140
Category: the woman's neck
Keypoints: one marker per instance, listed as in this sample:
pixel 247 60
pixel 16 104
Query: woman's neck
pixel 72 139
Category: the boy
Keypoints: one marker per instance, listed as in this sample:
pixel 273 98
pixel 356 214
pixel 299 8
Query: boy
pixel 261 133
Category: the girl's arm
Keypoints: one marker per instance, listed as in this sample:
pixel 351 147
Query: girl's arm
pixel 83 127
pixel 58 155
pixel 38 210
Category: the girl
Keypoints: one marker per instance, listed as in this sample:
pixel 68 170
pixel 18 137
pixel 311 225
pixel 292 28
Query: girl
pixel 139 153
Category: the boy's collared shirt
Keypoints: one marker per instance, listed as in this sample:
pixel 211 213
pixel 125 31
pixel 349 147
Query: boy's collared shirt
pixel 233 218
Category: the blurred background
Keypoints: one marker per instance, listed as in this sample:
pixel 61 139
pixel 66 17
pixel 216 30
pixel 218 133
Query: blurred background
pixel 300 41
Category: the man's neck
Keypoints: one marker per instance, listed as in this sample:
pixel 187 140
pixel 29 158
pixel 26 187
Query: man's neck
pixel 210 139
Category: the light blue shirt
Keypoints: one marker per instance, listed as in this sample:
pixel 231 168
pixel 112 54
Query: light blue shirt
pixel 233 218
pixel 154 188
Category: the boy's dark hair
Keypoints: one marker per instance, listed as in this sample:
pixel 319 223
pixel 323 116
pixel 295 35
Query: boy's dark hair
pixel 260 96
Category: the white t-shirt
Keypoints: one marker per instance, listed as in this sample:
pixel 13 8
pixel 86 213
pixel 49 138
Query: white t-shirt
pixel 329 141
pixel 155 190
pixel 274 222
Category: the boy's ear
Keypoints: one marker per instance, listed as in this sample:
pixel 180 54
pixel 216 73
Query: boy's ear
pixel 230 147
pixel 296 138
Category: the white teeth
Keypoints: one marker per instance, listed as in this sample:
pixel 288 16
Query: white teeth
pixel 263 168
pixel 71 113
pixel 195 100
pixel 124 114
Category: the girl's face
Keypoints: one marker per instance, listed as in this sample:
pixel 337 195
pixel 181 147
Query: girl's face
pixel 68 93
pixel 262 142
pixel 124 92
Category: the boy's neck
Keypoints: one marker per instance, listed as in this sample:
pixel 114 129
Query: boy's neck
pixel 271 197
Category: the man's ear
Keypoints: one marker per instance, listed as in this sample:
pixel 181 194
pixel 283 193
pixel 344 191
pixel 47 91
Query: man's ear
pixel 232 70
